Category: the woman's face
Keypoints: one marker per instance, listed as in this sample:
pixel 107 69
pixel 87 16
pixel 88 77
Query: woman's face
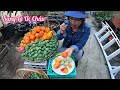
pixel 75 22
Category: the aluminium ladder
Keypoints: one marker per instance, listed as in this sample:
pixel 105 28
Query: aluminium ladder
pixel 106 28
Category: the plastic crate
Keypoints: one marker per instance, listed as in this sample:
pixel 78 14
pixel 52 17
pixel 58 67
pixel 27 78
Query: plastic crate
pixel 53 75
pixel 41 66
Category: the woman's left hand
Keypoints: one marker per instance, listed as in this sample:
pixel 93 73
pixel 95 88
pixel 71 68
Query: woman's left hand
pixel 69 50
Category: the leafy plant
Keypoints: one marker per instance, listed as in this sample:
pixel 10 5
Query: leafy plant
pixel 104 15
pixel 35 13
pixel 10 13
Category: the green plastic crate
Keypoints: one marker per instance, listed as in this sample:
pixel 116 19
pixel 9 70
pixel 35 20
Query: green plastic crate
pixel 53 75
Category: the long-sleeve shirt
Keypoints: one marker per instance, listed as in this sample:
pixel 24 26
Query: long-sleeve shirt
pixel 78 39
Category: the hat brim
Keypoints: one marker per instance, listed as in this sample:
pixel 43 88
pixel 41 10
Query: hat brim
pixel 75 14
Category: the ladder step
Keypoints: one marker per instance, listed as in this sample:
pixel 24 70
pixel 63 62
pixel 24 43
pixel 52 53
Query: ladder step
pixel 103 24
pixel 116 69
pixel 101 30
pixel 101 46
pixel 105 36
pixel 109 44
pixel 112 55
pixel 113 34
pixel 113 67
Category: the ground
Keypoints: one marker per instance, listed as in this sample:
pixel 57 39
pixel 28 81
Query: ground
pixel 91 66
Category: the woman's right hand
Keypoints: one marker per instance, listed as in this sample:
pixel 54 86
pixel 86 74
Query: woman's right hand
pixel 63 27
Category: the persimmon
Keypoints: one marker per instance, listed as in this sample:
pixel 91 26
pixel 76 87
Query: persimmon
pixel 38 28
pixel 41 33
pixel 22 45
pixel 31 30
pixel 64 54
pixel 35 29
pixel 34 32
pixel 58 63
pixel 45 33
pixel 42 28
pixel 49 35
pixel 36 39
pixel 22 41
pixel 70 65
pixel 47 29
pixel 64 70
pixel 58 60
pixel 26 38
pixel 44 37
pixel 28 34
pixel 32 37
pixel 31 41
pixel 40 38
pixel 52 32
pixel 55 66
pixel 37 35
pixel 26 41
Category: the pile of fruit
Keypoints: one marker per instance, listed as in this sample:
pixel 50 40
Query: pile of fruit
pixel 65 61
pixel 38 45
pixel 40 50
pixel 37 33
pixel 34 75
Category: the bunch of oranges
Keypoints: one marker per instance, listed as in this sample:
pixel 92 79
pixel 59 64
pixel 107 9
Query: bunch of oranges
pixel 37 33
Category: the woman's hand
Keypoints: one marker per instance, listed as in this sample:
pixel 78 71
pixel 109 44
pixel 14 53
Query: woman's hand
pixel 70 51
pixel 63 27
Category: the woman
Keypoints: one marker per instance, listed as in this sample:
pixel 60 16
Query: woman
pixel 75 32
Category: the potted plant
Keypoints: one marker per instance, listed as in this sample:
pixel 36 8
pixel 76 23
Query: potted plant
pixel 36 13
pixel 7 29
pixel 102 16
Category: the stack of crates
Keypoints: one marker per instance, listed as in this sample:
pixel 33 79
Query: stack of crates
pixel 41 66
pixel 53 75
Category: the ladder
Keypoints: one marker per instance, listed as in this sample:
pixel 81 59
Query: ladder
pixel 106 28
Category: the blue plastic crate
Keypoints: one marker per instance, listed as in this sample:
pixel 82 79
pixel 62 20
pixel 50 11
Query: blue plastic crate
pixel 53 75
